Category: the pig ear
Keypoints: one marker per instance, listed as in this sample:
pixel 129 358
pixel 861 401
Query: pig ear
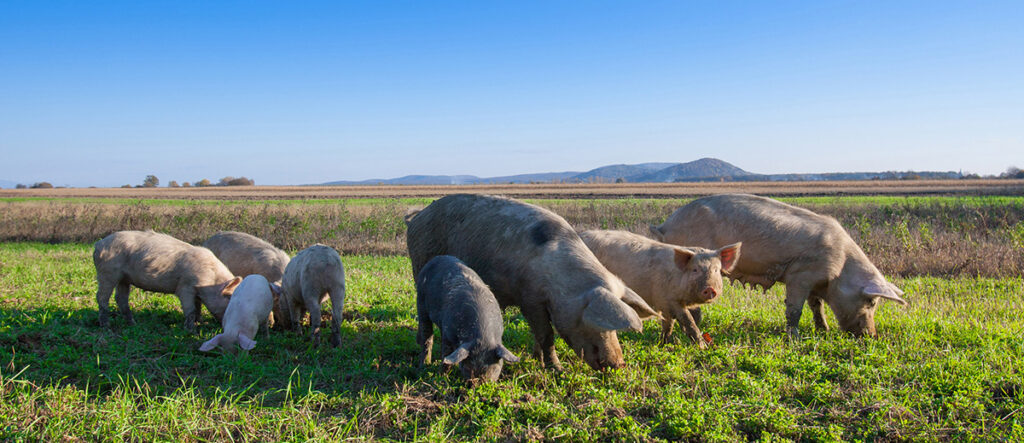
pixel 730 255
pixel 246 342
pixel 643 310
pixel 682 257
pixel 657 233
pixel 506 355
pixel 887 291
pixel 458 355
pixel 229 287
pixel 211 343
pixel 275 289
pixel 607 312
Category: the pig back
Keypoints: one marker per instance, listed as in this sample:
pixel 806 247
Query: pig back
pixel 516 248
pixel 458 301
pixel 776 236
pixel 246 254
pixel 157 262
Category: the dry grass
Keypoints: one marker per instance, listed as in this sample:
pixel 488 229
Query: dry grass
pixel 595 190
pixel 939 236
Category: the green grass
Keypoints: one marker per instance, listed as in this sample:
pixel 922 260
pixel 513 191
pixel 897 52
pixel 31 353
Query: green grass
pixel 948 367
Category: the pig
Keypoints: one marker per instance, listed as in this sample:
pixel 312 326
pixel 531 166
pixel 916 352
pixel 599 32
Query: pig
pixel 247 313
pixel 450 295
pixel 810 253
pixel 314 274
pixel 671 279
pixel 245 254
pixel 160 263
pixel 531 258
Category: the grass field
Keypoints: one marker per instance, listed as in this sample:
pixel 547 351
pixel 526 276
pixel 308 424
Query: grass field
pixel 950 366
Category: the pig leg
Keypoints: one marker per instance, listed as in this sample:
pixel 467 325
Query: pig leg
pixel 690 326
pixel 312 299
pixel 796 295
pixel 818 309
pixel 103 300
pixel 425 338
pixel 337 303
pixel 447 347
pixel 121 297
pixel 667 322
pixel 697 315
pixel 265 327
pixel 294 311
pixel 543 335
pixel 187 295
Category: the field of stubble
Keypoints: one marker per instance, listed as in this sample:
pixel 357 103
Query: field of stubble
pixel 946 367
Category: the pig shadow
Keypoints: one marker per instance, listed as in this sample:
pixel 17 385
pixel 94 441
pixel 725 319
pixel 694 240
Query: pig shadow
pixel 68 347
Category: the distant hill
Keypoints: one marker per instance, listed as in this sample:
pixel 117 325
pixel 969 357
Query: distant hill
pixel 615 172
pixel 697 169
pixel 705 169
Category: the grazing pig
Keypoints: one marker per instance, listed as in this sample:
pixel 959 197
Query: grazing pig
pixel 314 274
pixel 247 314
pixel 531 258
pixel 452 296
pixel 670 278
pixel 245 254
pixel 160 263
pixel 812 254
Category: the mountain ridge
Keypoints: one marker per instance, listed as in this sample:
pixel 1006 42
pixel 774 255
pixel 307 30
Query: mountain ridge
pixel 704 169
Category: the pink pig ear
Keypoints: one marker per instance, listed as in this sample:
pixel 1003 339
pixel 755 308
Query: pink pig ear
pixel 683 257
pixel 730 256
pixel 888 292
pixel 230 285
pixel 211 343
pixel 246 343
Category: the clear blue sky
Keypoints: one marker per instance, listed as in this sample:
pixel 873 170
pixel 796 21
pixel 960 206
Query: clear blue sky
pixel 104 93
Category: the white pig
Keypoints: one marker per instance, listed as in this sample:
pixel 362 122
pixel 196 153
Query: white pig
pixel 246 315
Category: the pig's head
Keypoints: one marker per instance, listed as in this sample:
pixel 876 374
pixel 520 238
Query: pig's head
pixel 854 296
pixel 216 297
pixel 229 343
pixel 588 322
pixel 699 279
pixel 478 362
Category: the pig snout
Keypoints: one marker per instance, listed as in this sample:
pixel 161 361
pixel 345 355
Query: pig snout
pixel 709 293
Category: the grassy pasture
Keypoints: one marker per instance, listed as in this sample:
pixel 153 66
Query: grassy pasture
pixel 949 366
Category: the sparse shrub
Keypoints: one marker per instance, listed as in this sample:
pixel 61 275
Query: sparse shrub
pixel 42 185
pixel 202 183
pixel 172 184
pixel 20 186
pixel 150 182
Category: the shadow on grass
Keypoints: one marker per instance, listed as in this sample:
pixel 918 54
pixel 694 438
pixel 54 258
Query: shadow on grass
pixel 68 347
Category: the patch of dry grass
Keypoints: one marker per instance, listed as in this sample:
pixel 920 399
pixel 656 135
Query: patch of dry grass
pixel 939 236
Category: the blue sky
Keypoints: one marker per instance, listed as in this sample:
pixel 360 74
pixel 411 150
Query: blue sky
pixel 104 93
